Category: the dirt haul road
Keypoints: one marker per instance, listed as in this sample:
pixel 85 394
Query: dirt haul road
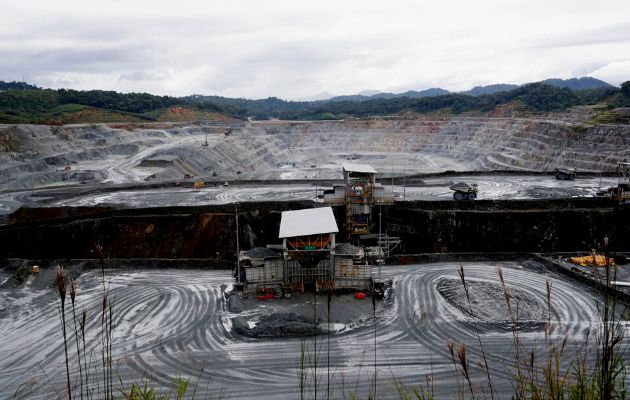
pixel 491 187
pixel 172 323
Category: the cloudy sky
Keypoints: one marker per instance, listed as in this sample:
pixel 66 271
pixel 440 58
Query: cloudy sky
pixel 296 49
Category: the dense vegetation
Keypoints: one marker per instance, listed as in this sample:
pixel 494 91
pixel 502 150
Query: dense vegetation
pixel 23 103
pixel 535 96
pixel 16 86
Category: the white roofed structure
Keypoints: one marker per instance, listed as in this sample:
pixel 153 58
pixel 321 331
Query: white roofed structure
pixel 362 168
pixel 310 221
pixel 310 261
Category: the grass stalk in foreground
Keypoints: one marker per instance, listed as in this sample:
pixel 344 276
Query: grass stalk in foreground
pixel 61 290
pixel 462 277
pixel 73 294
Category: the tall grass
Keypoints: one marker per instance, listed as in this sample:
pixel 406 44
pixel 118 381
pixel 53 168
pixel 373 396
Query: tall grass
pixel 73 295
pixel 61 290
pixel 103 386
pixel 538 373
pixel 310 364
pixel 462 351
pixel 557 374
pixel 547 378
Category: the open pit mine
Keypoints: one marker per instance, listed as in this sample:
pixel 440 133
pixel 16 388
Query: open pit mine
pixel 282 260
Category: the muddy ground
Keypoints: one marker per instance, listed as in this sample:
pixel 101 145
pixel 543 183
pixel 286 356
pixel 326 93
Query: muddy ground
pixel 175 323
pixel 304 314
pixel 492 186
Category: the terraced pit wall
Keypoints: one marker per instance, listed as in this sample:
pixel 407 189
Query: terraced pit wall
pixel 37 155
pixel 537 144
pixel 209 231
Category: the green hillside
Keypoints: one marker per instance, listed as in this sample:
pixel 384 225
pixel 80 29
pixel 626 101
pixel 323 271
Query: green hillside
pixel 28 104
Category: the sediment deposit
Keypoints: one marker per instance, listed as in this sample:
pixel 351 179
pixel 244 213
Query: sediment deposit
pixel 173 323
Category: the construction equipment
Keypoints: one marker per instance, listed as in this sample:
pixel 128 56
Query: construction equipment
pixel 464 191
pixel 621 192
pixel 594 260
pixel 565 174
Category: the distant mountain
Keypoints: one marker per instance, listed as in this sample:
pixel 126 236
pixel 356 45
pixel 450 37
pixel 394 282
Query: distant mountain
pixel 426 93
pixel 16 86
pixel 578 83
pixel 317 97
pixel 573 84
pixel 411 94
pixel 489 89
pixel 368 93
pixel 350 97
pixel 23 103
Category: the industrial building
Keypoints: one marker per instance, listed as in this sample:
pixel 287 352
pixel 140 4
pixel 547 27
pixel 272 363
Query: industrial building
pixel 358 194
pixel 310 260
pixel 310 257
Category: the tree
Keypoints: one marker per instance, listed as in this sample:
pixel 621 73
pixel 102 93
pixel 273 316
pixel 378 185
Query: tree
pixel 625 88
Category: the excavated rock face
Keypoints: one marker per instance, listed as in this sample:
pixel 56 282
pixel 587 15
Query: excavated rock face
pixel 424 227
pixel 311 150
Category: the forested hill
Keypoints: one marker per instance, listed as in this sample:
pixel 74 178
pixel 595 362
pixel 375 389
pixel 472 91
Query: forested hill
pixel 16 86
pixel 23 103
pixel 533 97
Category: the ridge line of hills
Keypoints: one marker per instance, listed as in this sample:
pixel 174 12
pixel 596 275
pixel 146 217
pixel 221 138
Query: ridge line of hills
pixel 24 103
pixel 583 83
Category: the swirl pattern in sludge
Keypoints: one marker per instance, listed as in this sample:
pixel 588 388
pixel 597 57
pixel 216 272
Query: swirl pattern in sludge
pixel 170 323
pixel 493 186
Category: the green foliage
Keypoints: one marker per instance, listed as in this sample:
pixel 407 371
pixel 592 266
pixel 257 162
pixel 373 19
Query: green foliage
pixel 140 393
pixel 146 392
pixel 181 387
pixel 536 96
pixel 594 96
pixel 619 100
pixel 16 86
pixel 578 128
pixel 130 102
pixel 609 117
pixel 105 389
pixel 546 98
pixel 39 105
pixel 35 106
pixel 29 101
pixel 325 116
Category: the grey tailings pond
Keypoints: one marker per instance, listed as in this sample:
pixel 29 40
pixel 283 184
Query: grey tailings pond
pixel 172 323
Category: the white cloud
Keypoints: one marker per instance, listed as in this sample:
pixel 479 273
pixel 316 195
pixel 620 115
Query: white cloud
pixel 289 49
pixel 615 72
